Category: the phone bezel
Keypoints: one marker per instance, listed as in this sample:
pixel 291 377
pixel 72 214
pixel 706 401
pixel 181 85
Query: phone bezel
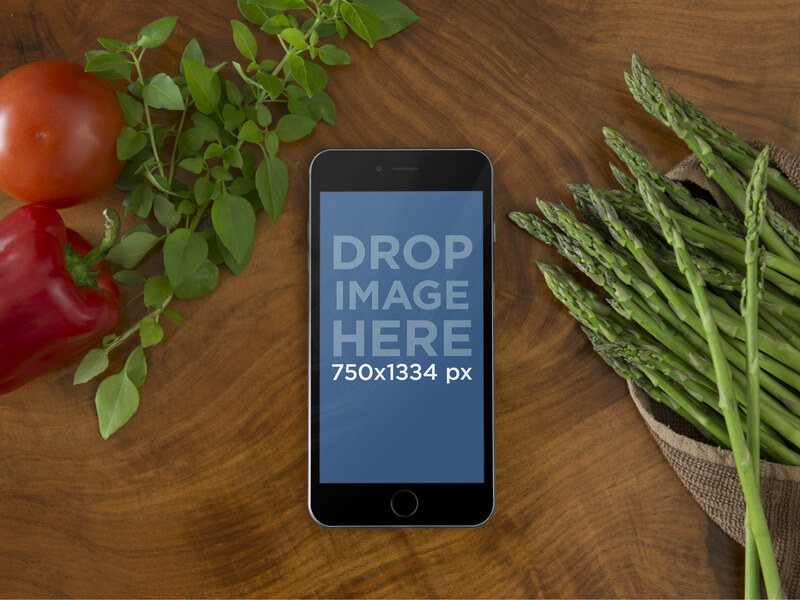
pixel 368 505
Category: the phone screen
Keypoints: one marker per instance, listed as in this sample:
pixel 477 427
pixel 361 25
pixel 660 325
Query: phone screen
pixel 401 337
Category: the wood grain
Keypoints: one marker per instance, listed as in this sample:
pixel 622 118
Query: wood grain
pixel 203 492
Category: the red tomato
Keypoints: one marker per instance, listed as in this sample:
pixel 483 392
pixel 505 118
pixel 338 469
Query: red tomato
pixel 58 134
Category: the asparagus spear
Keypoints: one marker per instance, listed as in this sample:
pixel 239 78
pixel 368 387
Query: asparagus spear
pixel 783 227
pixel 754 218
pixel 627 183
pixel 628 271
pixel 729 249
pixel 718 274
pixel 635 298
pixel 649 92
pixel 780 350
pixel 707 139
pixel 741 452
pixel 647 361
pixel 628 371
pixel 684 340
pixel 538 228
pixel 639 165
pixel 733 149
pixel 593 314
pixel 697 413
pixel 720 132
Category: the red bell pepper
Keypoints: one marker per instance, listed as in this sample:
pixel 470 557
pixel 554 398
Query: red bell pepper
pixel 56 299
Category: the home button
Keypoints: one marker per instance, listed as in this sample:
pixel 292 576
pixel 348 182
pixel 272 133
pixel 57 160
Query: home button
pixel 404 503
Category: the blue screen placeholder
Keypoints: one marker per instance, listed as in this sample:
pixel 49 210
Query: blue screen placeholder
pixel 401 337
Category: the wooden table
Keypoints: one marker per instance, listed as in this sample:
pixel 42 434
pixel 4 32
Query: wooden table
pixel 203 492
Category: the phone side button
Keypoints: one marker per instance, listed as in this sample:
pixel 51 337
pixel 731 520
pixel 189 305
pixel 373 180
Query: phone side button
pixel 494 231
pixel 404 503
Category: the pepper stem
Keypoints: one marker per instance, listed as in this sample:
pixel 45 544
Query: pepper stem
pixel 82 267
pixel 96 255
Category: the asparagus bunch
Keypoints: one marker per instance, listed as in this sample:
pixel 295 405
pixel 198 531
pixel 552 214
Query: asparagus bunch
pixel 701 309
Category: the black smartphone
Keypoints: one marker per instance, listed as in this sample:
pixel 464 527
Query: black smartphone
pixel 401 338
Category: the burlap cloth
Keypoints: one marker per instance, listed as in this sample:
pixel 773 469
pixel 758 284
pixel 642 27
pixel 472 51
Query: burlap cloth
pixel 708 472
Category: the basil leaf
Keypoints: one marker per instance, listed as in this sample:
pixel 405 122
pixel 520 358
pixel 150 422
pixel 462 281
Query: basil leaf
pixel 114 65
pixel 203 188
pixel 163 92
pixel 150 332
pixel 298 107
pixel 322 107
pixel 263 115
pixel 192 52
pixel 131 108
pixel 127 277
pixel 130 142
pixel 362 20
pixel 236 266
pixel 193 165
pixel 272 183
pixel 244 39
pixel 273 26
pixel 157 291
pixel 186 207
pixel 142 200
pixel 94 363
pixel 132 248
pixel 213 150
pixel 184 253
pixel 207 125
pixel 165 213
pixel 341 29
pixel 233 93
pixel 116 401
pixel 113 45
pixel 271 84
pixel 232 157
pixel 241 186
pixel 249 132
pixel 293 127
pixel 248 168
pixel 393 15
pixel 295 38
pixel 271 143
pixel 234 222
pixel 190 141
pixel 136 367
pixel 317 77
pixel 238 68
pixel 173 316
pixel 331 55
pixel 214 255
pixel 129 178
pixel 232 117
pixel 252 13
pixel 201 283
pixel 204 84
pixel 295 91
pixel 300 72
pixel 157 32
